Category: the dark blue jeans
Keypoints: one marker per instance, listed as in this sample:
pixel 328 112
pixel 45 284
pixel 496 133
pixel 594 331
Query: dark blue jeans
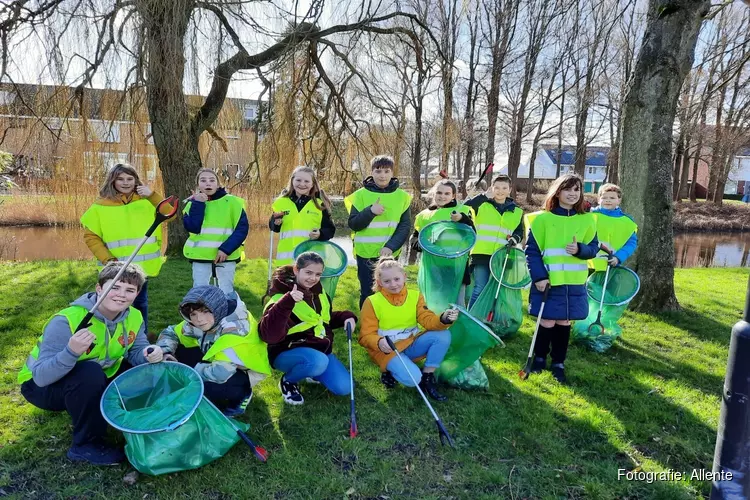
pixel 481 273
pixel 141 303
pixel 365 272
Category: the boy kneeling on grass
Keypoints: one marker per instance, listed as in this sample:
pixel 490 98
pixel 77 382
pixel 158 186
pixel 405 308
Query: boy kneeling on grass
pixel 70 371
pixel 218 337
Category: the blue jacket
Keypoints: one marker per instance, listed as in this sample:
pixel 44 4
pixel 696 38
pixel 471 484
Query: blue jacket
pixel 193 221
pixel 628 248
pixel 563 301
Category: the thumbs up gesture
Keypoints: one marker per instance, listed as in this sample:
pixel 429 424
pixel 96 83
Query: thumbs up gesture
pixel 377 208
pixel 296 294
pixel 572 247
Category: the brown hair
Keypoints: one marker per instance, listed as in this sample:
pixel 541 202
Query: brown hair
pixel 207 171
pixel 381 161
pixel 610 188
pixel 442 182
pixel 133 274
pixel 564 182
pixel 315 191
pixel 502 178
pixel 108 189
pixel 385 263
pixel 306 258
pixel 190 307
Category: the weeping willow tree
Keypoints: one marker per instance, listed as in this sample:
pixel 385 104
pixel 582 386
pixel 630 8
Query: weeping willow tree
pixel 152 43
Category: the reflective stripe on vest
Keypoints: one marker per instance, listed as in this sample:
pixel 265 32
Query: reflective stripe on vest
pixel 308 317
pixel 396 322
pixel 613 232
pixel 553 233
pixel 295 226
pixel 428 216
pixel 122 227
pixel 493 229
pixel 245 351
pixel 108 350
pixel 220 217
pixel 369 241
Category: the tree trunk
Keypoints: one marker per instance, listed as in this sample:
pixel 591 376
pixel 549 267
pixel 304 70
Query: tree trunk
pixel 717 151
pixel 679 151
pixel 665 58
pixel 560 128
pixel 175 139
pixel 682 181
pixel 696 161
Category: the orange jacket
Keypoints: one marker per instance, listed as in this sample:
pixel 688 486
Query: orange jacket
pixel 95 242
pixel 368 326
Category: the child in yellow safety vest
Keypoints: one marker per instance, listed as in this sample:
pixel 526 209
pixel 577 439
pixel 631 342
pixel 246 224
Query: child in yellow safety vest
pixel 298 325
pixel 69 370
pixel 380 218
pixel 217 225
pixel 218 337
pixel 615 229
pixel 395 312
pixel 118 220
pixel 301 212
pixel 443 207
pixel 560 241
pixel 498 221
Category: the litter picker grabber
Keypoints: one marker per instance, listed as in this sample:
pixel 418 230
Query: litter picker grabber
pixel 444 436
pixel 524 373
pixel 270 258
pixel 172 201
pixel 352 415
pixel 214 281
pixel 491 314
pixel 259 452
pixel 597 328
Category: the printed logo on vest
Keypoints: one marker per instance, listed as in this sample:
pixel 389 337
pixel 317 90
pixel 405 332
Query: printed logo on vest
pixel 131 338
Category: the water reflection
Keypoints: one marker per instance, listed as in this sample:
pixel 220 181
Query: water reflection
pixel 36 243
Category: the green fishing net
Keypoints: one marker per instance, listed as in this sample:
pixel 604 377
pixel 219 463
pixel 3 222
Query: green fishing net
pixel 445 252
pixel 168 426
pixel 334 259
pixel 622 285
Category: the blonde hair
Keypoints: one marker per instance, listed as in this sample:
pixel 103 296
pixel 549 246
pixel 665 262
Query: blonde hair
pixel 383 264
pixel 108 189
pixel 207 171
pixel 610 188
pixel 566 181
pixel 315 191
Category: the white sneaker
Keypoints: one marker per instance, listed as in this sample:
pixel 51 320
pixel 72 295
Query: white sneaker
pixel 310 380
pixel 290 393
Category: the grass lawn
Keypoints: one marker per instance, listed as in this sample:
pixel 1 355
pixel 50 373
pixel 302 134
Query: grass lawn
pixel 652 402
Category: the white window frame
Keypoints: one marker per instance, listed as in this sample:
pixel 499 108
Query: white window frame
pixel 103 131
pixel 149 134
pixel 7 97
pixel 250 112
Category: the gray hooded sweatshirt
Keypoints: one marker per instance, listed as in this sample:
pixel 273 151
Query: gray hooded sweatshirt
pixel 55 357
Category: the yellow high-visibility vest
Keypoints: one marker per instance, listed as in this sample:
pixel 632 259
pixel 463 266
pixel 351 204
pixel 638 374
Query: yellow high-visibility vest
pixel 396 322
pixel 369 241
pixel 552 233
pixel 219 220
pixel 295 226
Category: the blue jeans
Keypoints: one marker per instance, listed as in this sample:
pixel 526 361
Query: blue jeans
pixel 481 274
pixel 302 362
pixel 141 303
pixel 433 344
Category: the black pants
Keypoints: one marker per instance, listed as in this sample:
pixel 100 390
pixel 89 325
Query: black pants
pixel 226 395
pixel 557 338
pixel 78 393
pixel 365 273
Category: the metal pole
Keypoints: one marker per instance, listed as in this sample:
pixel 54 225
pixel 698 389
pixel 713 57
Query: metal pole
pixel 731 474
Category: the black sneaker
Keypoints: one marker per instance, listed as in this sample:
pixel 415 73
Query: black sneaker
pixel 290 392
pixel 558 371
pixel 538 365
pixel 387 380
pixel 429 387
pixel 96 453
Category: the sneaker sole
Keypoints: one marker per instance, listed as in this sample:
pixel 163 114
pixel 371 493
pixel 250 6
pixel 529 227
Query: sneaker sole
pixel 79 459
pixel 289 401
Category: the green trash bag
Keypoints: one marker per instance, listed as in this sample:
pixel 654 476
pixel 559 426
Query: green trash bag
pixel 622 284
pixel 168 426
pixel 501 308
pixel 470 338
pixel 471 378
pixel 334 260
pixel 445 252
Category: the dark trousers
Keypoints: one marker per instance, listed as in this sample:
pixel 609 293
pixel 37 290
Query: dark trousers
pixel 365 273
pixel 556 338
pixel 141 303
pixel 78 393
pixel 226 395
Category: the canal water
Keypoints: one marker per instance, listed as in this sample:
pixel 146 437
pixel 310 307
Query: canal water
pixel 36 243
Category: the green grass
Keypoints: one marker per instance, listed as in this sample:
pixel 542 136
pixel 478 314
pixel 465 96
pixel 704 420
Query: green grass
pixel 652 401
